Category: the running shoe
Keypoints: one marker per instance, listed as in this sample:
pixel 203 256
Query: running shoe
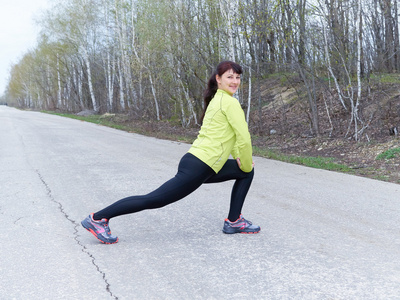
pixel 241 225
pixel 99 229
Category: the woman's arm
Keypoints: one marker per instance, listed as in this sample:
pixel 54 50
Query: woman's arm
pixel 243 148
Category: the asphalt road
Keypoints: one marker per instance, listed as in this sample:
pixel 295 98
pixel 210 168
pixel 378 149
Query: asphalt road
pixel 324 235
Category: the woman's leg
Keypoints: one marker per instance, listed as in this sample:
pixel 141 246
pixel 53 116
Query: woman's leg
pixel 192 173
pixel 242 185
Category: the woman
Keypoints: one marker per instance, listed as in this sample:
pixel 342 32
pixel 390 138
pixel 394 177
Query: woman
pixel 224 132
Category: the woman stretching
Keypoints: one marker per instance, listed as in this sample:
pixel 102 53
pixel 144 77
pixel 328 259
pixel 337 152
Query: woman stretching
pixel 224 132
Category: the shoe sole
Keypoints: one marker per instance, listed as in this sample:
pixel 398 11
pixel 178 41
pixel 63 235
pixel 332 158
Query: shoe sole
pixel 242 232
pixel 87 227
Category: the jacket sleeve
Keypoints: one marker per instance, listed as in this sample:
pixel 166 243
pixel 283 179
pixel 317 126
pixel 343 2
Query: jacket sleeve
pixel 242 148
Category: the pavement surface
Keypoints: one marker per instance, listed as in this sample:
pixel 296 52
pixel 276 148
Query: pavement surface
pixel 324 235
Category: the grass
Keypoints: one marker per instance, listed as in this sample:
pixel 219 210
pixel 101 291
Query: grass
pixel 109 121
pixel 389 154
pixel 97 119
pixel 381 177
pixel 325 163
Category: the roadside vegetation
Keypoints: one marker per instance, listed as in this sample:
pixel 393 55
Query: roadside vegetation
pixel 320 85
pixel 389 154
pixel 165 130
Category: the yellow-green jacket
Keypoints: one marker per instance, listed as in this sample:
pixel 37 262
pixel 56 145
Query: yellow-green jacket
pixel 224 132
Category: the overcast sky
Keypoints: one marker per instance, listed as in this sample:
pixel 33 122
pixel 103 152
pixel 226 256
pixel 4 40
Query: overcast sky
pixel 18 32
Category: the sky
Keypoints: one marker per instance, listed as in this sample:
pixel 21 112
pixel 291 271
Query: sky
pixel 18 33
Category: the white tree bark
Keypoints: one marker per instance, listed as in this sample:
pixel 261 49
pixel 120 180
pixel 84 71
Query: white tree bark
pixel 229 10
pixel 189 105
pixel 89 73
pixel 121 86
pixel 110 81
pixel 109 59
pixel 59 103
pixel 124 70
pixel 359 87
pixel 80 83
pixel 153 90
pixel 330 67
pixel 249 98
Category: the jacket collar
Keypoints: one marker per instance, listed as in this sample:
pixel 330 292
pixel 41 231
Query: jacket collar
pixel 224 92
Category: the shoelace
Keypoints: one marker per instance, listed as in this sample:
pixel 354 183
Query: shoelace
pixel 106 227
pixel 248 223
pixel 242 219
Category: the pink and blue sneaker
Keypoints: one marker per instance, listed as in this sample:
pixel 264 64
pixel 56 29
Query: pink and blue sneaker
pixel 99 229
pixel 241 225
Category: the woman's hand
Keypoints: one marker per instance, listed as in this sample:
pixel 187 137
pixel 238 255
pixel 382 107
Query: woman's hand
pixel 240 164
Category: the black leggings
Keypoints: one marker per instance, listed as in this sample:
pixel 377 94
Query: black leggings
pixel 192 173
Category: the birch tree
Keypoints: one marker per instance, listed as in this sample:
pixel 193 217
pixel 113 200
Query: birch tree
pixel 151 59
pixel 75 23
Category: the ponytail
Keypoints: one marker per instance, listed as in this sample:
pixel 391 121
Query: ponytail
pixel 209 93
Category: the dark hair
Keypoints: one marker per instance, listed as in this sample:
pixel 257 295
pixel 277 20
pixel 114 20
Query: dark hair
pixel 212 85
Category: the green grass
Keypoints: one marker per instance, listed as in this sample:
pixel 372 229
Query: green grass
pixel 389 154
pixel 108 120
pixel 326 163
pixel 381 177
pixel 97 119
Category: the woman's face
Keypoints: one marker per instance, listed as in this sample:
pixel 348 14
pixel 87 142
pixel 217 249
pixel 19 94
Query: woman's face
pixel 229 82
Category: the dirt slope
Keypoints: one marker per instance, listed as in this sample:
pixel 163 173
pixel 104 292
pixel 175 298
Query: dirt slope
pixel 282 122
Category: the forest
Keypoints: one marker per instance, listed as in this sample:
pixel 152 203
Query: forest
pixel 151 60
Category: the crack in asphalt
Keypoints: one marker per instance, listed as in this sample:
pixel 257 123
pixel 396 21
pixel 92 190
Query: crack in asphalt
pixel 16 221
pixel 74 223
pixel 76 235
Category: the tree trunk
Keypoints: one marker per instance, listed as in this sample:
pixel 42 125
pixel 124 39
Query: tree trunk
pixel 396 38
pixel 153 90
pixel 302 30
pixel 249 98
pixel 59 103
pixel 121 86
pixel 89 73
pixel 389 46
